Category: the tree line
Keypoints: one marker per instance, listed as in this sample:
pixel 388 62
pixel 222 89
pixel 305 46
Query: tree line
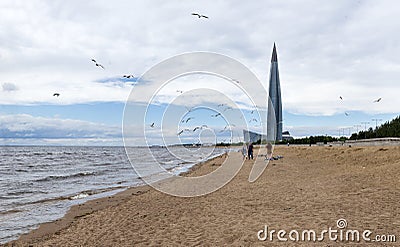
pixel 389 129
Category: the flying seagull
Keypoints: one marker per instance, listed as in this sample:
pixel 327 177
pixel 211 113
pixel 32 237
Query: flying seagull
pixel 340 97
pixel 179 91
pixel 188 109
pixel 187 120
pixel 152 125
pixel 346 114
pixel 198 127
pixel 128 76
pixel 255 120
pixel 216 115
pixel 97 64
pixel 228 108
pixel 180 132
pixel 198 15
pixel 235 80
pixel 56 94
pixel 376 101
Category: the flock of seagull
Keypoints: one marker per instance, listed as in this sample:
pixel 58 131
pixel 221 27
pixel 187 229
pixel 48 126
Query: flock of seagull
pixel 348 114
pixel 152 125
pixel 97 64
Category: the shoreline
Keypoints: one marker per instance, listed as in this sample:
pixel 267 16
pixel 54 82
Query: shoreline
pixel 88 207
pixel 309 188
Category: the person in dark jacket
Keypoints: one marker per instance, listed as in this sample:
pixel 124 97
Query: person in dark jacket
pixel 250 151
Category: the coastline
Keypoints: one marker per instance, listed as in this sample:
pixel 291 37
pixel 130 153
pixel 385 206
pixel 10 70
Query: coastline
pixel 47 229
pixel 309 188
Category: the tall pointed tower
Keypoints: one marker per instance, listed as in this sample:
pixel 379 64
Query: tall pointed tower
pixel 275 104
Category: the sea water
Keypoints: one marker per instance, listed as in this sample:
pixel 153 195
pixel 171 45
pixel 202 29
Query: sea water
pixel 40 183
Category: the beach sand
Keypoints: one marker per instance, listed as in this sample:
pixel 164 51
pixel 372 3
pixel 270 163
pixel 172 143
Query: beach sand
pixel 309 188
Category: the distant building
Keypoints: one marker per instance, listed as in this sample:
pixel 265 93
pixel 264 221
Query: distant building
pixel 274 113
pixel 250 136
pixel 274 118
pixel 286 136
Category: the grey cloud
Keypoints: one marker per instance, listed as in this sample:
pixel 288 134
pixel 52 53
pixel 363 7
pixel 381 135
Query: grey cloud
pixel 7 87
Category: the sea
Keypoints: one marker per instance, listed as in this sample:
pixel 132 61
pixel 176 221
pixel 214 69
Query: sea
pixel 40 183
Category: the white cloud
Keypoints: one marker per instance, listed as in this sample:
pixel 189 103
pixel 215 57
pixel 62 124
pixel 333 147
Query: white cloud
pixel 28 126
pixel 7 87
pixel 343 47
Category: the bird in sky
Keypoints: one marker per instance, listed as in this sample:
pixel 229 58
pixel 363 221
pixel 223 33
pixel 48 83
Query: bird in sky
pixel 196 128
pixel 56 94
pixel 340 97
pixel 347 114
pixel 179 91
pixel 189 109
pixel 152 125
pixel 180 132
pixel 190 118
pixel 251 120
pixel 216 115
pixel 97 64
pixel 377 100
pixel 221 105
pixel 234 80
pixel 199 15
pixel 228 108
pixel 128 76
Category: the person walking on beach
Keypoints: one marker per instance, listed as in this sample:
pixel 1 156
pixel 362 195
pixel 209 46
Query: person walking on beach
pixel 269 151
pixel 244 151
pixel 250 151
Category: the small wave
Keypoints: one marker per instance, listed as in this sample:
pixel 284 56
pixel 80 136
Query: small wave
pixel 79 196
pixel 17 193
pixel 63 177
pixel 11 211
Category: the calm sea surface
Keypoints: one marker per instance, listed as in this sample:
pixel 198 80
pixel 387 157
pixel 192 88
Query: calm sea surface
pixel 39 184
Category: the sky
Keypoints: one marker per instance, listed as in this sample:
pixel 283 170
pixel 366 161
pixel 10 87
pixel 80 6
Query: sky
pixel 326 50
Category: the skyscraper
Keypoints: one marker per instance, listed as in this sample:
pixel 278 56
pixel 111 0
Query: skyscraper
pixel 274 118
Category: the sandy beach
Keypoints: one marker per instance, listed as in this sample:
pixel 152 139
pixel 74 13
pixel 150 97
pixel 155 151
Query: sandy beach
pixel 309 188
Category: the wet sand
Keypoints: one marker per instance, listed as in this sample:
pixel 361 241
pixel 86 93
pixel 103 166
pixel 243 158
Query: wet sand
pixel 309 188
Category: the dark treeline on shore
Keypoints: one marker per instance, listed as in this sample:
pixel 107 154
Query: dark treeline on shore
pixel 389 129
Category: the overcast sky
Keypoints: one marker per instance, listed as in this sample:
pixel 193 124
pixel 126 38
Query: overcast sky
pixel 325 50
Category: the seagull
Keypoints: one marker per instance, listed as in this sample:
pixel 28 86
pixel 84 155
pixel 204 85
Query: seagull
pixel 252 112
pixel 235 80
pixel 56 94
pixel 227 126
pixel 216 115
pixel 376 101
pixel 188 109
pixel 179 91
pixel 228 108
pixel 187 120
pixel 198 15
pixel 340 97
pixel 128 76
pixel 97 64
pixel 180 132
pixel 346 114
pixel 152 125
pixel 221 105
pixel 198 127
pixel 255 120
